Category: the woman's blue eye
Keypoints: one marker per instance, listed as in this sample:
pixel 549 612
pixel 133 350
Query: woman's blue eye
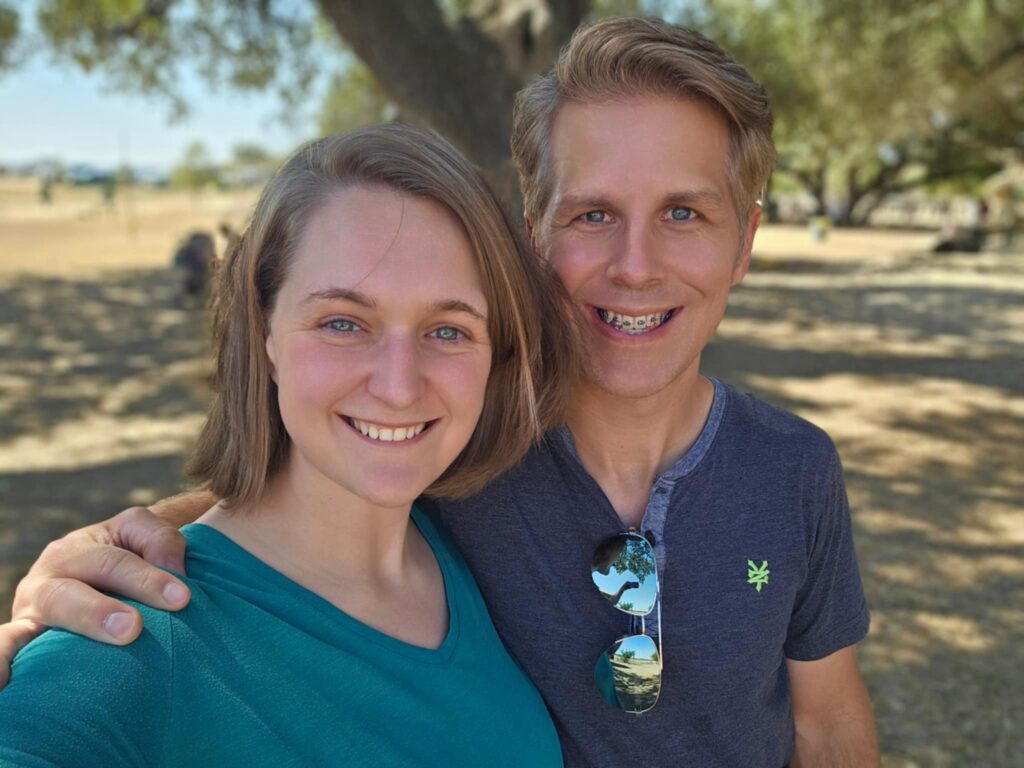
pixel 594 217
pixel 344 326
pixel 681 213
pixel 448 333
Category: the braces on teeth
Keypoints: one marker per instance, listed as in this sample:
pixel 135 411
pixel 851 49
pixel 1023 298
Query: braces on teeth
pixel 633 326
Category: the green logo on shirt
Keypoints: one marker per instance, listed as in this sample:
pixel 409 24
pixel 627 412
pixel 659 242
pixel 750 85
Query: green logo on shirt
pixel 757 576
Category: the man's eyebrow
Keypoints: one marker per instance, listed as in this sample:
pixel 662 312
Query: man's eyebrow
pixel 583 200
pixel 328 294
pixel 457 305
pixel 705 196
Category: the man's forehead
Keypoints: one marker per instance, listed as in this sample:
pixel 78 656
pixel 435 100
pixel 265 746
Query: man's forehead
pixel 657 145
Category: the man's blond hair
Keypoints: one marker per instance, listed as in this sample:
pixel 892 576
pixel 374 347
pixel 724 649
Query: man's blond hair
pixel 628 57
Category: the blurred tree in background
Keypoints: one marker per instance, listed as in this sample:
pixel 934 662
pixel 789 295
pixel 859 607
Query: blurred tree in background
pixel 882 96
pixel 871 98
pixel 9 29
pixel 196 171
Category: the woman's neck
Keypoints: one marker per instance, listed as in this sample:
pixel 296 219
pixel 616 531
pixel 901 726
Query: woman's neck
pixel 305 525
pixel 370 561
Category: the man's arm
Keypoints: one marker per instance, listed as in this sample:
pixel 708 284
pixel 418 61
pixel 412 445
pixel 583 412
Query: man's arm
pixel 835 726
pixel 61 589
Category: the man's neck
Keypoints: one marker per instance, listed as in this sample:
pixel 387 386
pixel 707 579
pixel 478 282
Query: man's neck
pixel 624 443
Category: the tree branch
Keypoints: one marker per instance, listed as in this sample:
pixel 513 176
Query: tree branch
pixel 1003 57
pixel 152 10
pixel 974 67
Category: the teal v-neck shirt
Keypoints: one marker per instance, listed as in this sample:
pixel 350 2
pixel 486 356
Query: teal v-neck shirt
pixel 258 670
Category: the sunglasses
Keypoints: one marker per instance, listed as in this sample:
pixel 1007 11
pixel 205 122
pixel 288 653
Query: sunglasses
pixel 628 674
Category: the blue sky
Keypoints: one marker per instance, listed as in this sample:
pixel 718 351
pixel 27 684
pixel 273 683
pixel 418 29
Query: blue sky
pixel 50 111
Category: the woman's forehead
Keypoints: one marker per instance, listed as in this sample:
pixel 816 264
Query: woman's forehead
pixel 378 241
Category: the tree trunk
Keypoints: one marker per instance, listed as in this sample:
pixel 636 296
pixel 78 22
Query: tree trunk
pixel 816 186
pixel 459 77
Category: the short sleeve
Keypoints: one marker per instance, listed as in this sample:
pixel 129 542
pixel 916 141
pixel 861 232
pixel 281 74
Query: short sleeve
pixel 75 702
pixel 830 612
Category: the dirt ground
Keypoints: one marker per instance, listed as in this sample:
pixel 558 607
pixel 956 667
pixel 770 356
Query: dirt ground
pixel 913 361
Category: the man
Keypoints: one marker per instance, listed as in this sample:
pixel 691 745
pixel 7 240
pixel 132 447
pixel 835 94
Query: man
pixel 641 158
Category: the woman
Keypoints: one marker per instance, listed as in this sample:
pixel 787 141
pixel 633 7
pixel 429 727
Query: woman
pixel 379 336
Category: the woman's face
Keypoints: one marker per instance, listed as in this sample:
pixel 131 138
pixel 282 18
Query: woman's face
pixel 378 344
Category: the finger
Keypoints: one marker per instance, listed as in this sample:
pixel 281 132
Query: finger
pixel 14 636
pixel 78 608
pixel 158 541
pixel 113 569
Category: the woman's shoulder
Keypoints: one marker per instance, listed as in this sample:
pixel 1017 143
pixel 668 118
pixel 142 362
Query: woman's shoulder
pixel 70 695
pixel 77 663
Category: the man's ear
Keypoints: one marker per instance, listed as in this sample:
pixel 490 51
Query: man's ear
pixel 742 266
pixel 271 357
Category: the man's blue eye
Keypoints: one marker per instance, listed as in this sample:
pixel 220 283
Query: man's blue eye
pixel 345 326
pixel 680 213
pixel 594 217
pixel 448 334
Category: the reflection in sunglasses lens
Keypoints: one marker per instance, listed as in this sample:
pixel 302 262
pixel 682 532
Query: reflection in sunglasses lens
pixel 628 674
pixel 624 570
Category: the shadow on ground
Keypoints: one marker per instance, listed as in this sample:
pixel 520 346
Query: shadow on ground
pixel 917 371
pixel 102 384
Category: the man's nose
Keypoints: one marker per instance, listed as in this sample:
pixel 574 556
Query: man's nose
pixel 398 378
pixel 636 263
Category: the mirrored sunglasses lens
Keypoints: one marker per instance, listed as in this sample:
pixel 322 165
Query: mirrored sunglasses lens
pixel 628 674
pixel 624 571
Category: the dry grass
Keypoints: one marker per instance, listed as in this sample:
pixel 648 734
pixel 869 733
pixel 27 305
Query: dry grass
pixel 78 234
pixel 911 360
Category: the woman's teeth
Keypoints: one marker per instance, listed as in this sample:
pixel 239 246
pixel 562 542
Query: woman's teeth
pixel 387 434
pixel 633 325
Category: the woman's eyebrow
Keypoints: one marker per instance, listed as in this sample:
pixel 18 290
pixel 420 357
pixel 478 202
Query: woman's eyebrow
pixel 457 305
pixel 357 297
pixel 328 294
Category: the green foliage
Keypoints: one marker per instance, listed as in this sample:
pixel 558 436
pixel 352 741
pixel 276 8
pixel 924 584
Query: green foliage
pixel 251 154
pixel 196 171
pixel 636 559
pixel 10 27
pixel 354 99
pixel 871 97
pixel 141 45
pixel 880 96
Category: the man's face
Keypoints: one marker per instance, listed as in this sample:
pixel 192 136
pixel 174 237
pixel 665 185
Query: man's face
pixel 644 235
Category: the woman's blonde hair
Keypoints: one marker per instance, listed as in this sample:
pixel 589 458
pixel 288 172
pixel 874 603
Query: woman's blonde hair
pixel 534 357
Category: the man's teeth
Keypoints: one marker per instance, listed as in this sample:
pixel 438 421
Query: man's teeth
pixel 388 434
pixel 631 325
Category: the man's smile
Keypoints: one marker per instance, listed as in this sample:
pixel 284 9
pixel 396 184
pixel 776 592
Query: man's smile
pixel 634 324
